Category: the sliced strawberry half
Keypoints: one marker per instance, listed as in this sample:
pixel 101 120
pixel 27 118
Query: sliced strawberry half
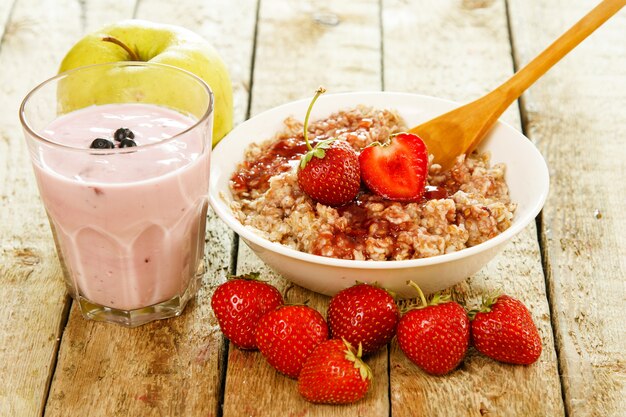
pixel 396 170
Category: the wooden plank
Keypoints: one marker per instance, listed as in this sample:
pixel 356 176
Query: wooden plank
pixel 575 114
pixel 303 45
pixel 459 51
pixel 173 367
pixel 5 12
pixel 298 48
pixel 31 286
pixel 229 26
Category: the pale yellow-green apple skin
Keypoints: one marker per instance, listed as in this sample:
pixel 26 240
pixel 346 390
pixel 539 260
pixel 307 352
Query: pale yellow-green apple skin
pixel 152 42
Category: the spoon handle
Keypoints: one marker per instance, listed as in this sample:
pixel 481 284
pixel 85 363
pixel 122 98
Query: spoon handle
pixel 530 73
pixel 460 130
pixel 491 106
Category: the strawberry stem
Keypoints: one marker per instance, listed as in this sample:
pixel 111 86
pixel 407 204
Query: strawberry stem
pixel 487 302
pixel 355 357
pixel 318 92
pixel 420 292
pixel 439 298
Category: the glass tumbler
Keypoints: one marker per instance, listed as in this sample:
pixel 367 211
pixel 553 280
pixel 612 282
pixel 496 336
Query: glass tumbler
pixel 121 153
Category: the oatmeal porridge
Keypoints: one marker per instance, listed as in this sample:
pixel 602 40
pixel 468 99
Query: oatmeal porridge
pixel 462 207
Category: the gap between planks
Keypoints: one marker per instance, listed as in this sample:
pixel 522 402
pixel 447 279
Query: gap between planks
pixel 236 239
pixel 69 301
pixel 65 316
pixel 521 103
pixel 8 10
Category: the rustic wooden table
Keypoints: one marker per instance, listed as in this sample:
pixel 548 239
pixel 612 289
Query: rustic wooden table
pixel 568 267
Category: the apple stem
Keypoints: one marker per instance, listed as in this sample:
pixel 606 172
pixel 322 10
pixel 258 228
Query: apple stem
pixel 318 92
pixel 133 54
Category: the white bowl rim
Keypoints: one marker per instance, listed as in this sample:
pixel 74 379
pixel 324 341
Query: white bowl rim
pixel 225 213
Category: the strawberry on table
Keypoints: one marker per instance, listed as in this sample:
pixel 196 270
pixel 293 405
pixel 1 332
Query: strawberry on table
pixel 503 329
pixel 238 305
pixel 435 335
pixel 396 170
pixel 334 374
pixel 329 173
pixel 363 314
pixel 287 336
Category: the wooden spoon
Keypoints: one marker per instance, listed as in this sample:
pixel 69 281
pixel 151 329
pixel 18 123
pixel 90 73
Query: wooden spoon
pixel 461 130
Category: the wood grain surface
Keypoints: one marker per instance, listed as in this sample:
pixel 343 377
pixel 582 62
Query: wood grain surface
pixel 463 72
pixel 306 46
pixel 31 287
pixel 575 115
pixel 5 10
pixel 569 272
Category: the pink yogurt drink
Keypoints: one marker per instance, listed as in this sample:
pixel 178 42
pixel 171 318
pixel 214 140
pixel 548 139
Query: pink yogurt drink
pixel 129 222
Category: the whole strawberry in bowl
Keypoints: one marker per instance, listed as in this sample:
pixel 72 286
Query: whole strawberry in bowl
pixel 329 172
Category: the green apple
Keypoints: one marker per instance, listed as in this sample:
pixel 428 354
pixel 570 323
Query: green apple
pixel 140 40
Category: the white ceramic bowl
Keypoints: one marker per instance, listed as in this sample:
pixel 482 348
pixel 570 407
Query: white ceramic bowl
pixel 526 175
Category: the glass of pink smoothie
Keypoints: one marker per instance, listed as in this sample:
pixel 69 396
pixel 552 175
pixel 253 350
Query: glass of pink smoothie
pixel 128 221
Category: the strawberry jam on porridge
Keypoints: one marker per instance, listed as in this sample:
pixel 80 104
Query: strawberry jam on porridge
pixel 462 207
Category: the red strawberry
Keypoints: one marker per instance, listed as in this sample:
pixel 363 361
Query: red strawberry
pixel 288 335
pixel 238 305
pixel 396 170
pixel 504 330
pixel 363 314
pixel 435 335
pixel 334 374
pixel 329 173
